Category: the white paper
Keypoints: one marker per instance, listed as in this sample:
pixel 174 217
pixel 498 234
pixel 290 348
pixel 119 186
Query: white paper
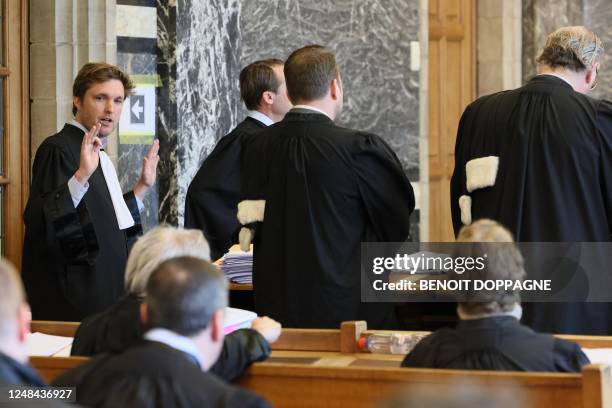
pixel 599 355
pixel 238 319
pixel 46 345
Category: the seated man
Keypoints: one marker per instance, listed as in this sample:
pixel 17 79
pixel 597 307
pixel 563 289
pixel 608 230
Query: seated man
pixel 184 307
pixel 119 327
pixel 14 327
pixel 489 335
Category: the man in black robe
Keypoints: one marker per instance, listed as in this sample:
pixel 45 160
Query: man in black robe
pixel 538 159
pixel 119 327
pixel 214 193
pixel 323 189
pixel 185 303
pixel 79 227
pixel 489 335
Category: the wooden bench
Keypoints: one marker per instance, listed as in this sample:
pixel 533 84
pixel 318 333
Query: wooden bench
pixel 65 329
pixel 294 385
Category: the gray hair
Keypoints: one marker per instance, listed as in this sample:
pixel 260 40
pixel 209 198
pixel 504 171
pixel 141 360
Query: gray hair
pixel 574 47
pixel 158 245
pixel 503 261
pixel 12 298
pixel 183 294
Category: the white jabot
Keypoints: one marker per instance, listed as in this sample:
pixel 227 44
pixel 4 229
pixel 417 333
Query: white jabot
pixel 176 341
pixel 122 212
pixel 257 115
pixel 124 217
pixel 311 108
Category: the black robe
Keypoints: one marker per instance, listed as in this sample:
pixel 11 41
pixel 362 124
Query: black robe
pixel 214 193
pixel 326 190
pixel 554 181
pixel 73 258
pixel 118 328
pixel 496 343
pixel 152 374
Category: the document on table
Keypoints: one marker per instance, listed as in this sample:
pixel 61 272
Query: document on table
pixel 46 345
pixel 238 319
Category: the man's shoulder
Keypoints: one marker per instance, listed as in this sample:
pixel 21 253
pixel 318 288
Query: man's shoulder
pixel 67 136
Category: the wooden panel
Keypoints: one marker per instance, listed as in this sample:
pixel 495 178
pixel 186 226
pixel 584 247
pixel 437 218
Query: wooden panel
pixel 66 329
pixel 51 367
pixel 451 88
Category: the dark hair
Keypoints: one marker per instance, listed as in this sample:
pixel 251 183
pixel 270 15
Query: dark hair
pixel 95 73
pixel 257 78
pixel 309 72
pixel 183 293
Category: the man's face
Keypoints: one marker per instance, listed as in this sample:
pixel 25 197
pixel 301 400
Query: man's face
pixel 281 104
pixel 101 103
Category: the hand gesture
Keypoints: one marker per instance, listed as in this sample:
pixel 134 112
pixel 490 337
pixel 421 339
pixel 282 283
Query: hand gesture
pixel 90 154
pixel 270 329
pixel 148 175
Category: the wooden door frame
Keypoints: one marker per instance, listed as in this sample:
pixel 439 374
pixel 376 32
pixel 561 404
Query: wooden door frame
pixel 16 152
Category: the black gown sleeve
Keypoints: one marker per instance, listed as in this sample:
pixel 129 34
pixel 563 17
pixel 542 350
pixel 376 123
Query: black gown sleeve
pixel 50 208
pixel 240 349
pixel 458 181
pixel 385 190
pixel 604 130
pixel 568 356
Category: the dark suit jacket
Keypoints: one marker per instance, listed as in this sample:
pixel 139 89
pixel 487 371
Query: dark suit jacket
pixel 214 193
pixel 118 328
pixel 152 374
pixel 326 190
pixel 495 343
pixel 14 373
pixel 73 258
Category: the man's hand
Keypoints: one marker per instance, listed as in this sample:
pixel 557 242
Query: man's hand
pixel 270 329
pixel 90 155
pixel 149 171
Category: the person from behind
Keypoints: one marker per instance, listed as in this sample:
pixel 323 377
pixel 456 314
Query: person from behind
pixel 312 192
pixel 14 328
pixel 489 335
pixel 212 197
pixel 184 310
pixel 119 327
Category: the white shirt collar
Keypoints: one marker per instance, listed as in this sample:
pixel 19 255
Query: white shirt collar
pixel 176 341
pixel 558 76
pixel 74 123
pixel 257 115
pixel 311 108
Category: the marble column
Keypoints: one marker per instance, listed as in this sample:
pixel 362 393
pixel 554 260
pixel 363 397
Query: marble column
pixel 202 45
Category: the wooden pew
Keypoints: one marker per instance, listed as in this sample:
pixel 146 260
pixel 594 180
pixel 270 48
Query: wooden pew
pixel 51 367
pixel 66 329
pixel 294 385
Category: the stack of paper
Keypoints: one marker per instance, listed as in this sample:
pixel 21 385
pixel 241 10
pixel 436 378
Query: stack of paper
pixel 238 266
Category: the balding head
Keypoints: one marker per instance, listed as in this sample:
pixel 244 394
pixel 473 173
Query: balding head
pixel 574 48
pixel 14 313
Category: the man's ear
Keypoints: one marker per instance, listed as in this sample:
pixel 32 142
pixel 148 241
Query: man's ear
pixel 144 316
pixel 23 322
pixel 335 89
pixel 77 102
pixel 217 325
pixel 267 98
